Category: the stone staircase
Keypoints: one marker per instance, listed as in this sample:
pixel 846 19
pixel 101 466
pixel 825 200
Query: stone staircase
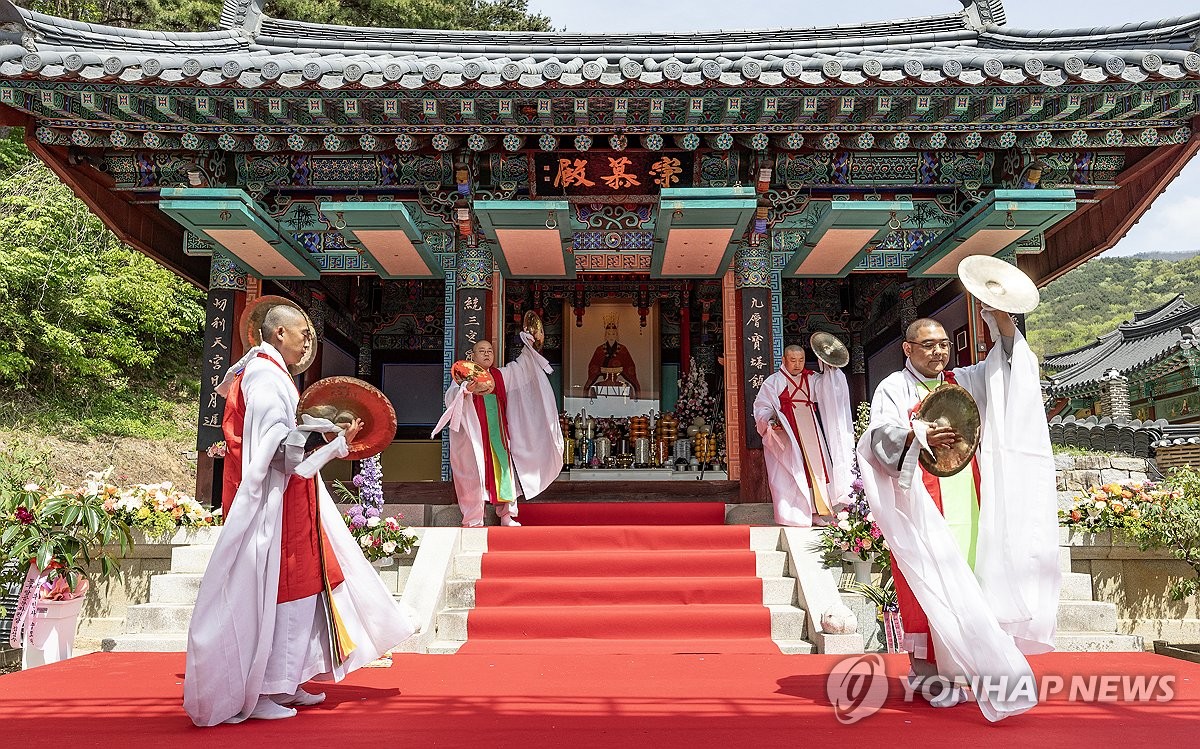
pixel 161 624
pixel 788 620
pixel 1086 625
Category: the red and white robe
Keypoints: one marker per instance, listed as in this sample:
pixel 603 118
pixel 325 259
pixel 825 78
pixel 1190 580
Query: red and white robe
pixel 283 564
pixel 809 460
pixel 530 433
pixel 981 621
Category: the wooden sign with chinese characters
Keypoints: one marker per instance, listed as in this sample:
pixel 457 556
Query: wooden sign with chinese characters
pixel 757 356
pixel 219 328
pixel 470 320
pixel 611 172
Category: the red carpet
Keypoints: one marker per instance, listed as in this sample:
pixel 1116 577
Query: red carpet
pixel 622 513
pixel 664 701
pixel 619 589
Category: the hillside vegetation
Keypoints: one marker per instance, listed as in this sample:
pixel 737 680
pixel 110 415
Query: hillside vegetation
pixel 1101 294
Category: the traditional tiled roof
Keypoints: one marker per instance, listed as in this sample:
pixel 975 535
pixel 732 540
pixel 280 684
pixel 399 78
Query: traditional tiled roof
pixel 1150 337
pixel 256 51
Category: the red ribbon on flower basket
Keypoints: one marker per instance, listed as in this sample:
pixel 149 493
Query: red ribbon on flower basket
pixel 893 631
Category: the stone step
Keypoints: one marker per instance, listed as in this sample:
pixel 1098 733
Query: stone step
pixel 175 587
pixel 1098 642
pixel 1076 586
pixel 795 647
pixel 145 643
pixel 452 625
pixel 787 622
pixel 158 618
pixel 770 563
pixel 99 627
pixel 468 565
pixel 764 538
pixel 190 558
pixel 1087 616
pixel 460 593
pixel 444 647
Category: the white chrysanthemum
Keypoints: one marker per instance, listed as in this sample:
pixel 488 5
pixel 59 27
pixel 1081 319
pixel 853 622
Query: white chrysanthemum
pixel 389 547
pixel 372 522
pixel 843 515
pixel 365 542
pixel 844 524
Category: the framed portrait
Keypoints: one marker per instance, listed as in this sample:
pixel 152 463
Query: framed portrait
pixel 612 365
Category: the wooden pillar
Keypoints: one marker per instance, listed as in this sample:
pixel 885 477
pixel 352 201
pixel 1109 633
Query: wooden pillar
pixel 473 309
pixel 730 337
pixel 753 336
pixel 222 348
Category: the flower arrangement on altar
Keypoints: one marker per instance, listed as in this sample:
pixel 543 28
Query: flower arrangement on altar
pixel 855 532
pixel 378 536
pixel 1110 506
pixel 694 400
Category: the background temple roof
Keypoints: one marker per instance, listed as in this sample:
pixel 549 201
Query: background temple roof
pixel 1136 344
pixel 255 50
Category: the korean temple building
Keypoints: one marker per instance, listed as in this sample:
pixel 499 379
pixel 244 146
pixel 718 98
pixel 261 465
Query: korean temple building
pixel 1146 369
pixel 721 194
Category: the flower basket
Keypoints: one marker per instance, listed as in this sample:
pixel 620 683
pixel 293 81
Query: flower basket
pixel 45 620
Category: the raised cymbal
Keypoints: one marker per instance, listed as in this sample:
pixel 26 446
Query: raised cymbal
pixel 532 324
pixel 998 284
pixel 341 399
pixel 829 349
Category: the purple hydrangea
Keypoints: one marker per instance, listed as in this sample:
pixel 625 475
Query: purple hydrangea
pixel 371 512
pixel 358 521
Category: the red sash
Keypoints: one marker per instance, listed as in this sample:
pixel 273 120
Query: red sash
pixel 299 564
pixel 787 402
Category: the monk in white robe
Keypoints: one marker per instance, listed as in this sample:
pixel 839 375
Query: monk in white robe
pixel 287 596
pixel 808 444
pixel 975 555
pixel 505 442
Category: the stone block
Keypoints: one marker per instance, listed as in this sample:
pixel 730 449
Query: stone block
pixel 802 647
pixel 446 516
pixel 452 625
pixel 1114 475
pixel 764 538
pixel 1126 463
pixel 770 563
pixel 838 644
pixel 753 513
pixel 1064 462
pixel 1091 462
pixel 1097 642
pixel 787 622
pixel 1087 616
pixel 779 591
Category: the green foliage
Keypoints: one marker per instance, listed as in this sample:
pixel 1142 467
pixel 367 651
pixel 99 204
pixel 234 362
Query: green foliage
pixel 1173 523
pixel 89 330
pixel 202 15
pixel 1099 295
pixel 496 15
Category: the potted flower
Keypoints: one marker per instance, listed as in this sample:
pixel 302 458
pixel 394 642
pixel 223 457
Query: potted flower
pixel 50 541
pixel 854 537
pixel 379 537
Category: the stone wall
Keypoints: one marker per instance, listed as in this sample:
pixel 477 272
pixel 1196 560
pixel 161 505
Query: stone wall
pixel 1137 582
pixel 1076 473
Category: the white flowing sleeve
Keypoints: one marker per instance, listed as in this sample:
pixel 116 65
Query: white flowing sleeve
pixel 832 394
pixel 765 405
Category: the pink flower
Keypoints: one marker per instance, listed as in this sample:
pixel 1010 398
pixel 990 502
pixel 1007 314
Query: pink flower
pixel 875 532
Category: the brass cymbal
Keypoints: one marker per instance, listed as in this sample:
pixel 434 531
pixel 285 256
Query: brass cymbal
pixel 250 327
pixel 343 399
pixel 829 349
pixel 951 405
pixel 998 284
pixel 532 324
